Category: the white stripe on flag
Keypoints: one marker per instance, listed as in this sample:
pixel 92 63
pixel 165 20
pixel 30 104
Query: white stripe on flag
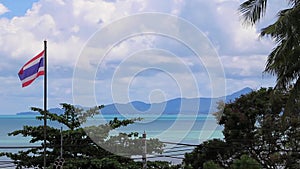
pixel 33 62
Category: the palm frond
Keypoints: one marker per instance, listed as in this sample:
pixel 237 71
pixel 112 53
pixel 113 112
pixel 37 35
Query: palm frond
pixel 284 62
pixel 294 2
pixel 253 10
pixel 284 59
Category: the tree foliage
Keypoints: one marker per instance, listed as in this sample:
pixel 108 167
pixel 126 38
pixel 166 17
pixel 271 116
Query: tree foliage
pixel 264 124
pixel 211 165
pixel 79 150
pixel 283 61
pixel 245 162
pixel 255 125
pixel 215 150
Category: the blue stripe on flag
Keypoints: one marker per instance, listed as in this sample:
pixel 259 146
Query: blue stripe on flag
pixel 32 70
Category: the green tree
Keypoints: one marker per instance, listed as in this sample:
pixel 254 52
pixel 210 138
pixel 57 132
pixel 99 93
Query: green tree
pixel 283 61
pixel 211 165
pixel 216 150
pixel 245 162
pixel 254 124
pixel 79 150
pixel 220 108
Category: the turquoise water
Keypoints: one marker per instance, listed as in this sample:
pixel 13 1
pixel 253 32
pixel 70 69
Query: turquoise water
pixel 184 129
pixel 168 128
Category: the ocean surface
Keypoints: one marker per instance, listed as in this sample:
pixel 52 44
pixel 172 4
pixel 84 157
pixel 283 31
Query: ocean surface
pixel 168 128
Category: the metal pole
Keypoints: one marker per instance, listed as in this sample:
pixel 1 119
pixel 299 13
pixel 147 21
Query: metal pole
pixel 144 158
pixel 45 101
pixel 61 143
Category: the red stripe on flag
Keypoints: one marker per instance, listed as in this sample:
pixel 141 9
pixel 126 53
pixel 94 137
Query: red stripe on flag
pixel 32 69
pixel 36 57
pixel 30 81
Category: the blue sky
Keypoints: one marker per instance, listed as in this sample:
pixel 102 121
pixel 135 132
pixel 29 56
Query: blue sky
pixel 16 7
pixel 68 25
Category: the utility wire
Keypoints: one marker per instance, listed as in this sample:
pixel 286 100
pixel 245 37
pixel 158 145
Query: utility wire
pixel 3 162
pixel 161 155
pixel 19 147
pixel 184 144
pixel 175 147
pixel 9 166
pixel 173 151
pixel 168 157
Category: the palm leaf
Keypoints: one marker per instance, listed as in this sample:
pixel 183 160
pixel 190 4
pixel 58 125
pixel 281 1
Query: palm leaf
pixel 253 10
pixel 284 59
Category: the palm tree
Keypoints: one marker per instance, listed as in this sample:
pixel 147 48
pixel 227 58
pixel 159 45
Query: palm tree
pixel 284 63
pixel 284 59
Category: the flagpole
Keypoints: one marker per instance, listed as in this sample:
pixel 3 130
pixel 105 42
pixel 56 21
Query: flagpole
pixel 45 101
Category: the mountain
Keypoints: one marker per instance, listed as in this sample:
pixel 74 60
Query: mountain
pixel 52 110
pixel 173 106
pixel 238 94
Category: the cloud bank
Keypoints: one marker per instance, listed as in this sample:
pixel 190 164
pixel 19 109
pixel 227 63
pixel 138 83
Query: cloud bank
pixel 67 25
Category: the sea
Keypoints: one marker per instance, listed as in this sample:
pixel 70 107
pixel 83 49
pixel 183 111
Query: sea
pixel 179 133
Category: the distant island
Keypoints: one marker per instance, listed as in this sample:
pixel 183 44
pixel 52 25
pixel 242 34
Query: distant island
pixel 32 113
pixel 173 106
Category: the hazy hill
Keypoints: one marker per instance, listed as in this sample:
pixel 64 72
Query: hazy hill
pixel 52 110
pixel 173 106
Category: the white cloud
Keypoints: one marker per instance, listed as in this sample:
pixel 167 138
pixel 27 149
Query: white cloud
pixel 221 22
pixel 246 71
pixel 93 12
pixel 245 66
pixel 153 69
pixel 129 46
pixel 67 25
pixel 3 9
pixel 243 39
pixel 67 28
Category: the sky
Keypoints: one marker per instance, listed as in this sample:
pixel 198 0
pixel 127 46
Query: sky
pixel 150 66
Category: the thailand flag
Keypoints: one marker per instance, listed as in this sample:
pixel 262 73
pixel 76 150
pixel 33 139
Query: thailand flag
pixel 32 69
